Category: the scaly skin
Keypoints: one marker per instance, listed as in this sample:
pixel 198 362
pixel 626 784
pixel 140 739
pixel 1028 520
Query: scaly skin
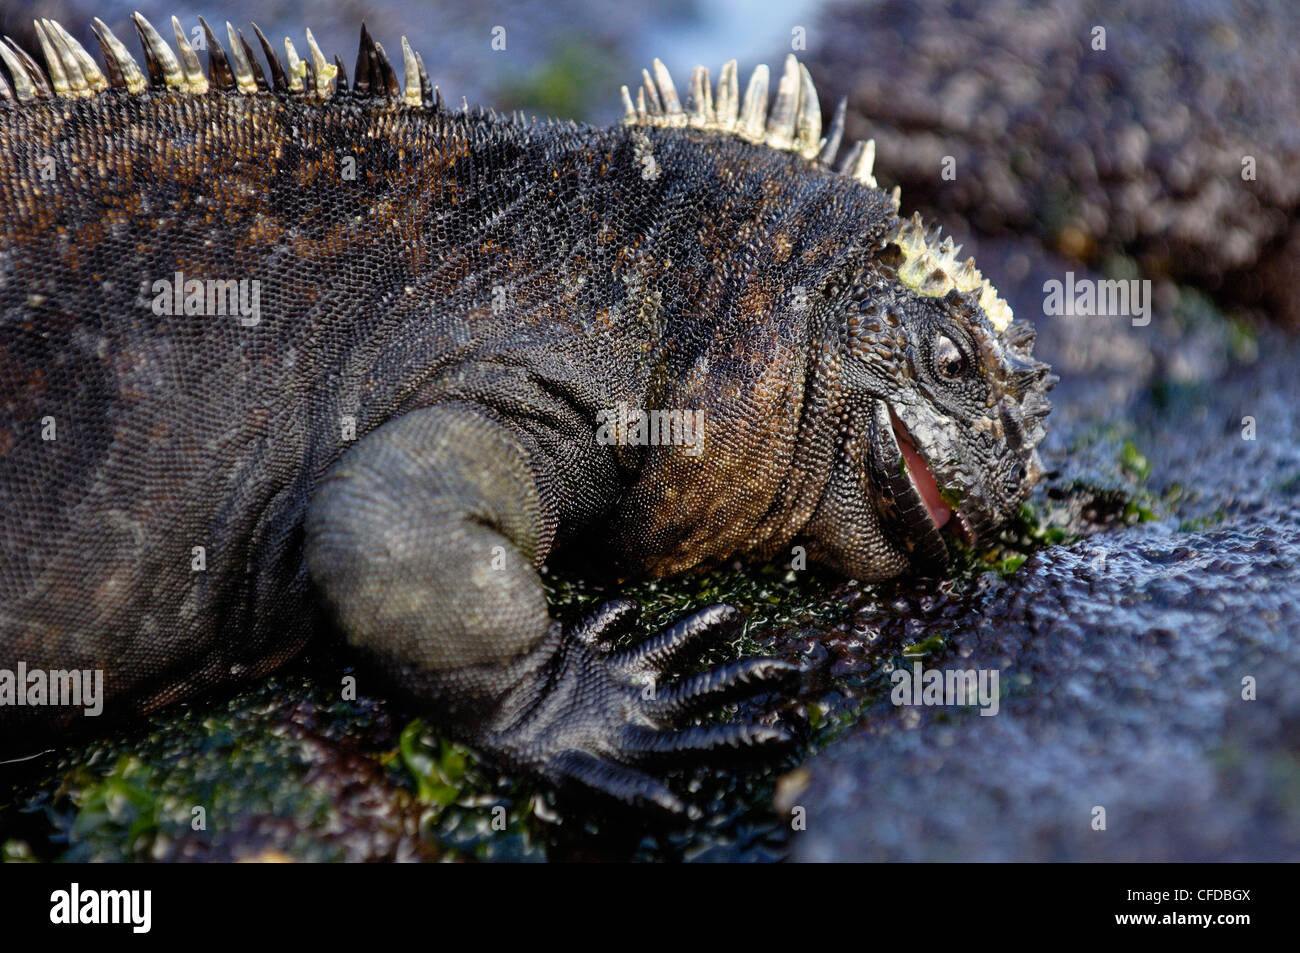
pixel 408 431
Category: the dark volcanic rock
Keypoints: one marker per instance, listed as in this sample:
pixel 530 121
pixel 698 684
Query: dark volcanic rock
pixel 1137 148
pixel 1121 663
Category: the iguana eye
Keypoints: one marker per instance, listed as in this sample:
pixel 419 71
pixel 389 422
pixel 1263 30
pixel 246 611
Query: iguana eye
pixel 948 358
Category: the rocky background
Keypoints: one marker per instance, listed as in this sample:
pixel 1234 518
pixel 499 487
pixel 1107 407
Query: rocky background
pixel 1103 128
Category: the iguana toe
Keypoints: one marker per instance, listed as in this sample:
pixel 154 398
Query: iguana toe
pixel 612 720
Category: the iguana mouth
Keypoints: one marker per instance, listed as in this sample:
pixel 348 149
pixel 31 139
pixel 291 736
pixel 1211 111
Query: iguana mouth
pixel 923 479
pixel 924 514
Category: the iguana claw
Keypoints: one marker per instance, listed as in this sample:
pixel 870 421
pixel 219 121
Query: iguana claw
pixel 593 720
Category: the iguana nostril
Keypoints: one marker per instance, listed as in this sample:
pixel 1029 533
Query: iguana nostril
pixel 1012 429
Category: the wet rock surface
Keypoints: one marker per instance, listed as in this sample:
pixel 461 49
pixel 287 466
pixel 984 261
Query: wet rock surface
pixel 280 772
pixel 1135 148
pixel 1123 661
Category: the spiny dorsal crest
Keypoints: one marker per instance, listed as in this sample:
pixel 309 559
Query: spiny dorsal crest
pixel 71 72
pixel 930 268
pixel 794 124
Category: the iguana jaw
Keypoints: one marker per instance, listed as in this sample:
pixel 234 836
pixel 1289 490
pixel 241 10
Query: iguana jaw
pixel 920 515
pixel 900 494
pixel 922 477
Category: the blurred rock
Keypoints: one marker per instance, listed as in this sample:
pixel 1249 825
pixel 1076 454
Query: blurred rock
pixel 1137 148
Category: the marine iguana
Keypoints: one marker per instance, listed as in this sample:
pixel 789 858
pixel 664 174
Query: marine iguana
pixel 276 354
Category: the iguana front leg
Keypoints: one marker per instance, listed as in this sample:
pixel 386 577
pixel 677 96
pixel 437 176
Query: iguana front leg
pixel 426 539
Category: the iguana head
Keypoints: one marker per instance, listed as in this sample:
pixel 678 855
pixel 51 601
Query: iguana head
pixel 944 405
pixel 935 404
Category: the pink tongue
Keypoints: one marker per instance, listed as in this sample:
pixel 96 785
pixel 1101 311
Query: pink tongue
pixel 924 482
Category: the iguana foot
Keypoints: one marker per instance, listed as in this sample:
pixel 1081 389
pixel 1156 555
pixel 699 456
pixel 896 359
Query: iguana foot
pixel 591 719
